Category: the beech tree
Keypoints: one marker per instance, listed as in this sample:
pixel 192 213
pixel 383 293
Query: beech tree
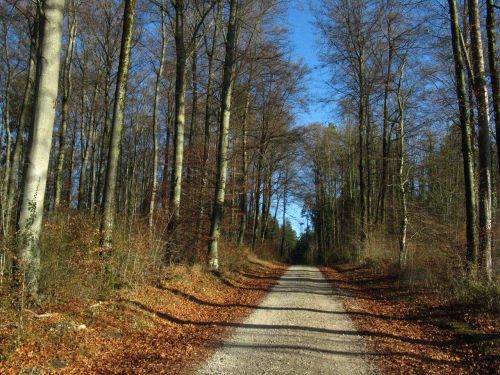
pixel 37 158
pixel 109 203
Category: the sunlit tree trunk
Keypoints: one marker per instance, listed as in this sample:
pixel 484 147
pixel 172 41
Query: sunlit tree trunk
pixel 403 250
pixel 220 184
pixel 154 172
pixel 466 130
pixel 108 211
pixel 180 110
pixel 38 152
pixel 485 188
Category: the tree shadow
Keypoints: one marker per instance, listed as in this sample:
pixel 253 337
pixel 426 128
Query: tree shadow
pixel 265 327
pixel 200 301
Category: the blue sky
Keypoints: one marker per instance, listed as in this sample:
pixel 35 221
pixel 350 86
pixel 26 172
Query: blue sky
pixel 303 40
pixel 300 20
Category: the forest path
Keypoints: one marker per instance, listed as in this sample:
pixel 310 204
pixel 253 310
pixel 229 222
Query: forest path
pixel 300 328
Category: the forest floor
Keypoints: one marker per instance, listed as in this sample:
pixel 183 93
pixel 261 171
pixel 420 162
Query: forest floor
pixel 151 330
pixel 414 330
pixel 174 326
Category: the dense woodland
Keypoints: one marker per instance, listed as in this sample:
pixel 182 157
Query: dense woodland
pixel 143 133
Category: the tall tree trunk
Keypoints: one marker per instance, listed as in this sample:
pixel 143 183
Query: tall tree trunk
pixel 244 166
pixel 154 172
pixel 68 62
pixel 38 152
pixel 8 138
pixel 108 212
pixel 220 183
pixel 386 135
pixel 466 130
pixel 403 251
pixel 24 120
pixel 492 58
pixel 208 117
pixel 362 185
pixel 194 103
pixel 85 149
pixel 485 188
pixel 180 110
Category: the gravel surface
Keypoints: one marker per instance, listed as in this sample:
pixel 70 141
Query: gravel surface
pixel 300 328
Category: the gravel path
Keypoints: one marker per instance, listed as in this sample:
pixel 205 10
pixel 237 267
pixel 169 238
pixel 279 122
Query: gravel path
pixel 300 328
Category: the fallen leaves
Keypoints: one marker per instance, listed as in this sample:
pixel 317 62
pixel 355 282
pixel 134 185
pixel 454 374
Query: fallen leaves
pixel 399 325
pixel 165 329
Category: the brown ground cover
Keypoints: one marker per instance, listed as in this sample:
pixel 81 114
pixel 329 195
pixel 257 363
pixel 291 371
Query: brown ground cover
pixel 162 329
pixel 414 330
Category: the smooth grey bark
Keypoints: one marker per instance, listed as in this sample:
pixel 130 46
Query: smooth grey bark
pixel 220 183
pixel 403 225
pixel 492 59
pixel 180 110
pixel 109 205
pixel 182 50
pixel 38 152
pixel 154 171
pixel 66 81
pixel 467 147
pixel 485 185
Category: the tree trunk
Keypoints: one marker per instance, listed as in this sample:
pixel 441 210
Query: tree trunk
pixel 154 180
pixel 492 58
pixel 208 118
pixel 362 188
pixel 68 62
pixel 403 251
pixel 220 184
pixel 244 166
pixel 8 139
pixel 85 150
pixel 485 188
pixel 38 152
pixel 108 212
pixel 385 137
pixel 24 120
pixel 180 109
pixel 466 130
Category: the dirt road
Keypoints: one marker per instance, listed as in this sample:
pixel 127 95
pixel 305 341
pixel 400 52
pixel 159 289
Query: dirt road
pixel 300 328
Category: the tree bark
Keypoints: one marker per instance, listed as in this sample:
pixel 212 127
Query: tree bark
pixel 466 130
pixel 386 135
pixel 108 212
pixel 24 122
pixel 180 110
pixel 154 172
pixel 492 58
pixel 38 152
pixel 403 251
pixel 485 188
pixel 68 62
pixel 220 184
